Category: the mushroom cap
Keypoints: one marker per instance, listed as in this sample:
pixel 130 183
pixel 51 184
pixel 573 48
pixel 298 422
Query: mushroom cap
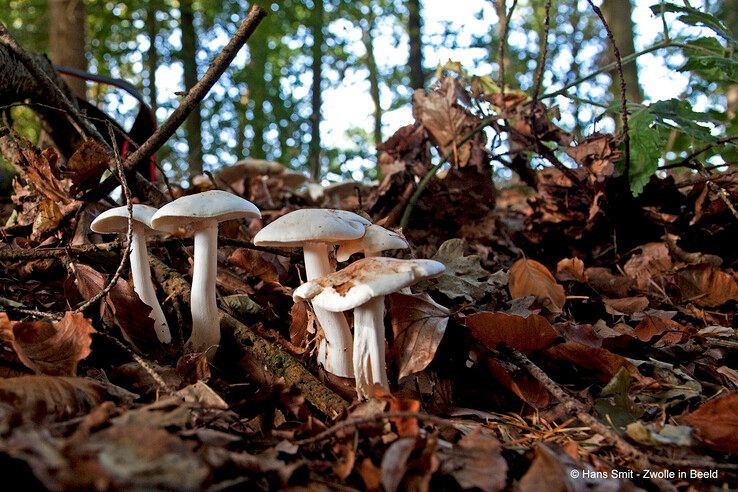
pixel 210 205
pixel 376 239
pixel 364 280
pixel 316 225
pixel 115 220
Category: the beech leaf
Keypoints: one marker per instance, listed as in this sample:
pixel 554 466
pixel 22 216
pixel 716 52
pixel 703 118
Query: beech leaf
pixel 55 396
pixel 418 323
pixel 525 334
pixel 530 278
pixel 716 423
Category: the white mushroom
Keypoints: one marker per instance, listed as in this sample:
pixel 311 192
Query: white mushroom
pixel 372 243
pixel 115 220
pixel 314 230
pixel 362 286
pixel 203 212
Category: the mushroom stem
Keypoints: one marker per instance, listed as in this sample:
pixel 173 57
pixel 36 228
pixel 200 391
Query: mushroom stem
pixel 203 303
pixel 142 284
pixel 336 354
pixel 369 349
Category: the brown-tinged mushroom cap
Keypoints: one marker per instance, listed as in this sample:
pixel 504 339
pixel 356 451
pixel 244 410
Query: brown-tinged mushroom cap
pixel 312 225
pixel 115 220
pixel 364 280
pixel 210 205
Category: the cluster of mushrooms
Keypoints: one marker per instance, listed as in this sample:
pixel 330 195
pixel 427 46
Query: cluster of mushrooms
pixel 361 286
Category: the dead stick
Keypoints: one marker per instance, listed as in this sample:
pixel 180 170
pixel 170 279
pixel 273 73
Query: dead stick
pixel 50 253
pixel 639 460
pixel 277 361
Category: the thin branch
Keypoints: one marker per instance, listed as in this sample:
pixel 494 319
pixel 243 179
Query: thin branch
pixel 542 58
pixel 686 161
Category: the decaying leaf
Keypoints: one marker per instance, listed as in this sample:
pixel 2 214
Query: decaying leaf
pixel 524 334
pixel 41 397
pixel 530 278
pixel 626 305
pixel 649 265
pixel 716 423
pixel 669 331
pixel 463 273
pixel 394 462
pixel 86 166
pixel 706 285
pixel 418 323
pixel 599 362
pixel 570 269
pixel 53 348
pixel 602 280
pixel 598 153
pixel 476 462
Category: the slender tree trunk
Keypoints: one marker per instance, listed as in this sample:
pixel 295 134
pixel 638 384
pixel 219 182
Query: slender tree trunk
pixel 618 16
pixel 258 49
pixel 414 31
pixel 67 21
pixel 152 55
pixel 317 52
pixel 371 64
pixel 193 124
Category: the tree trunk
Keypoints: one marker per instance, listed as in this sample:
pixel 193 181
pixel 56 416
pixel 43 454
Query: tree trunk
pixel 730 15
pixel 414 31
pixel 618 16
pixel 371 64
pixel 314 148
pixel 67 38
pixel 152 55
pixel 193 124
pixel 258 50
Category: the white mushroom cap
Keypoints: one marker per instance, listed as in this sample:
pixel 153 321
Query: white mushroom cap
pixel 376 240
pixel 115 220
pixel 364 280
pixel 210 205
pixel 317 225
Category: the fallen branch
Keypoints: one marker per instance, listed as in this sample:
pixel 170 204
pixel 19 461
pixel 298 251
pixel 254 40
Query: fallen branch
pixel 639 460
pixel 277 361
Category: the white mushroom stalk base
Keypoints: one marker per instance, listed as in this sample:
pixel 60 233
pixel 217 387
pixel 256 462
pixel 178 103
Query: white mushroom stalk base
pixel 336 352
pixel 369 349
pixel 205 318
pixel 143 286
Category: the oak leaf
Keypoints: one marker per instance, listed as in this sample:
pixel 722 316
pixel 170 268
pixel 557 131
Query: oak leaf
pixel 463 273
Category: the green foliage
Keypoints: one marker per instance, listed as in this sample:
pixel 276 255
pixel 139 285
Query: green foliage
pixel 645 149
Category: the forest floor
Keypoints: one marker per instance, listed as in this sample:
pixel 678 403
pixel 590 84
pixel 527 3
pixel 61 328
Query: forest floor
pixel 576 341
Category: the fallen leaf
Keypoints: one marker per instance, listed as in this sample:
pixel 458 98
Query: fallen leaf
pixel 603 281
pixel 520 383
pixel 598 153
pixel 476 462
pixel 53 348
pixel 570 269
pixel 462 274
pixel 670 331
pixel 86 166
pixel 626 305
pixel 418 324
pixel 39 397
pixel 394 462
pixel 716 423
pixel 525 334
pixel 370 474
pixel 706 285
pixel 599 362
pixel 530 278
pixel 649 265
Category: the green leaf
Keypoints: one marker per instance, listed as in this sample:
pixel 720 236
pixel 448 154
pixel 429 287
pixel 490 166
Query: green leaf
pixel 694 17
pixel 675 113
pixel 645 149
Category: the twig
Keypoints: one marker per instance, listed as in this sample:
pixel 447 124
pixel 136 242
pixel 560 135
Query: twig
pixel 60 252
pixel 277 361
pixel 224 241
pixel 129 233
pixel 639 460
pixel 198 92
pixel 623 95
pixel 503 44
pixel 356 421
pixel 542 59
pixel 685 162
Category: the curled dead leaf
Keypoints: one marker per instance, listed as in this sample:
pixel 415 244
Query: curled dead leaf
pixel 53 348
pixel 530 278
pixel 570 269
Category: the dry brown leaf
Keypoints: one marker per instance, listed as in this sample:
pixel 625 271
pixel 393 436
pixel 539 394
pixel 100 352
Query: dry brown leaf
pixel 530 278
pixel 653 262
pixel 600 363
pixel 39 397
pixel 716 423
pixel 394 463
pixel 570 269
pixel 53 348
pixel 598 153
pixel 525 334
pixel 86 166
pixel 626 305
pixel 670 331
pixel 476 463
pixel 706 285
pixel 604 282
pixel 418 324
pixel 254 263
pixel 520 383
pixel 345 458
